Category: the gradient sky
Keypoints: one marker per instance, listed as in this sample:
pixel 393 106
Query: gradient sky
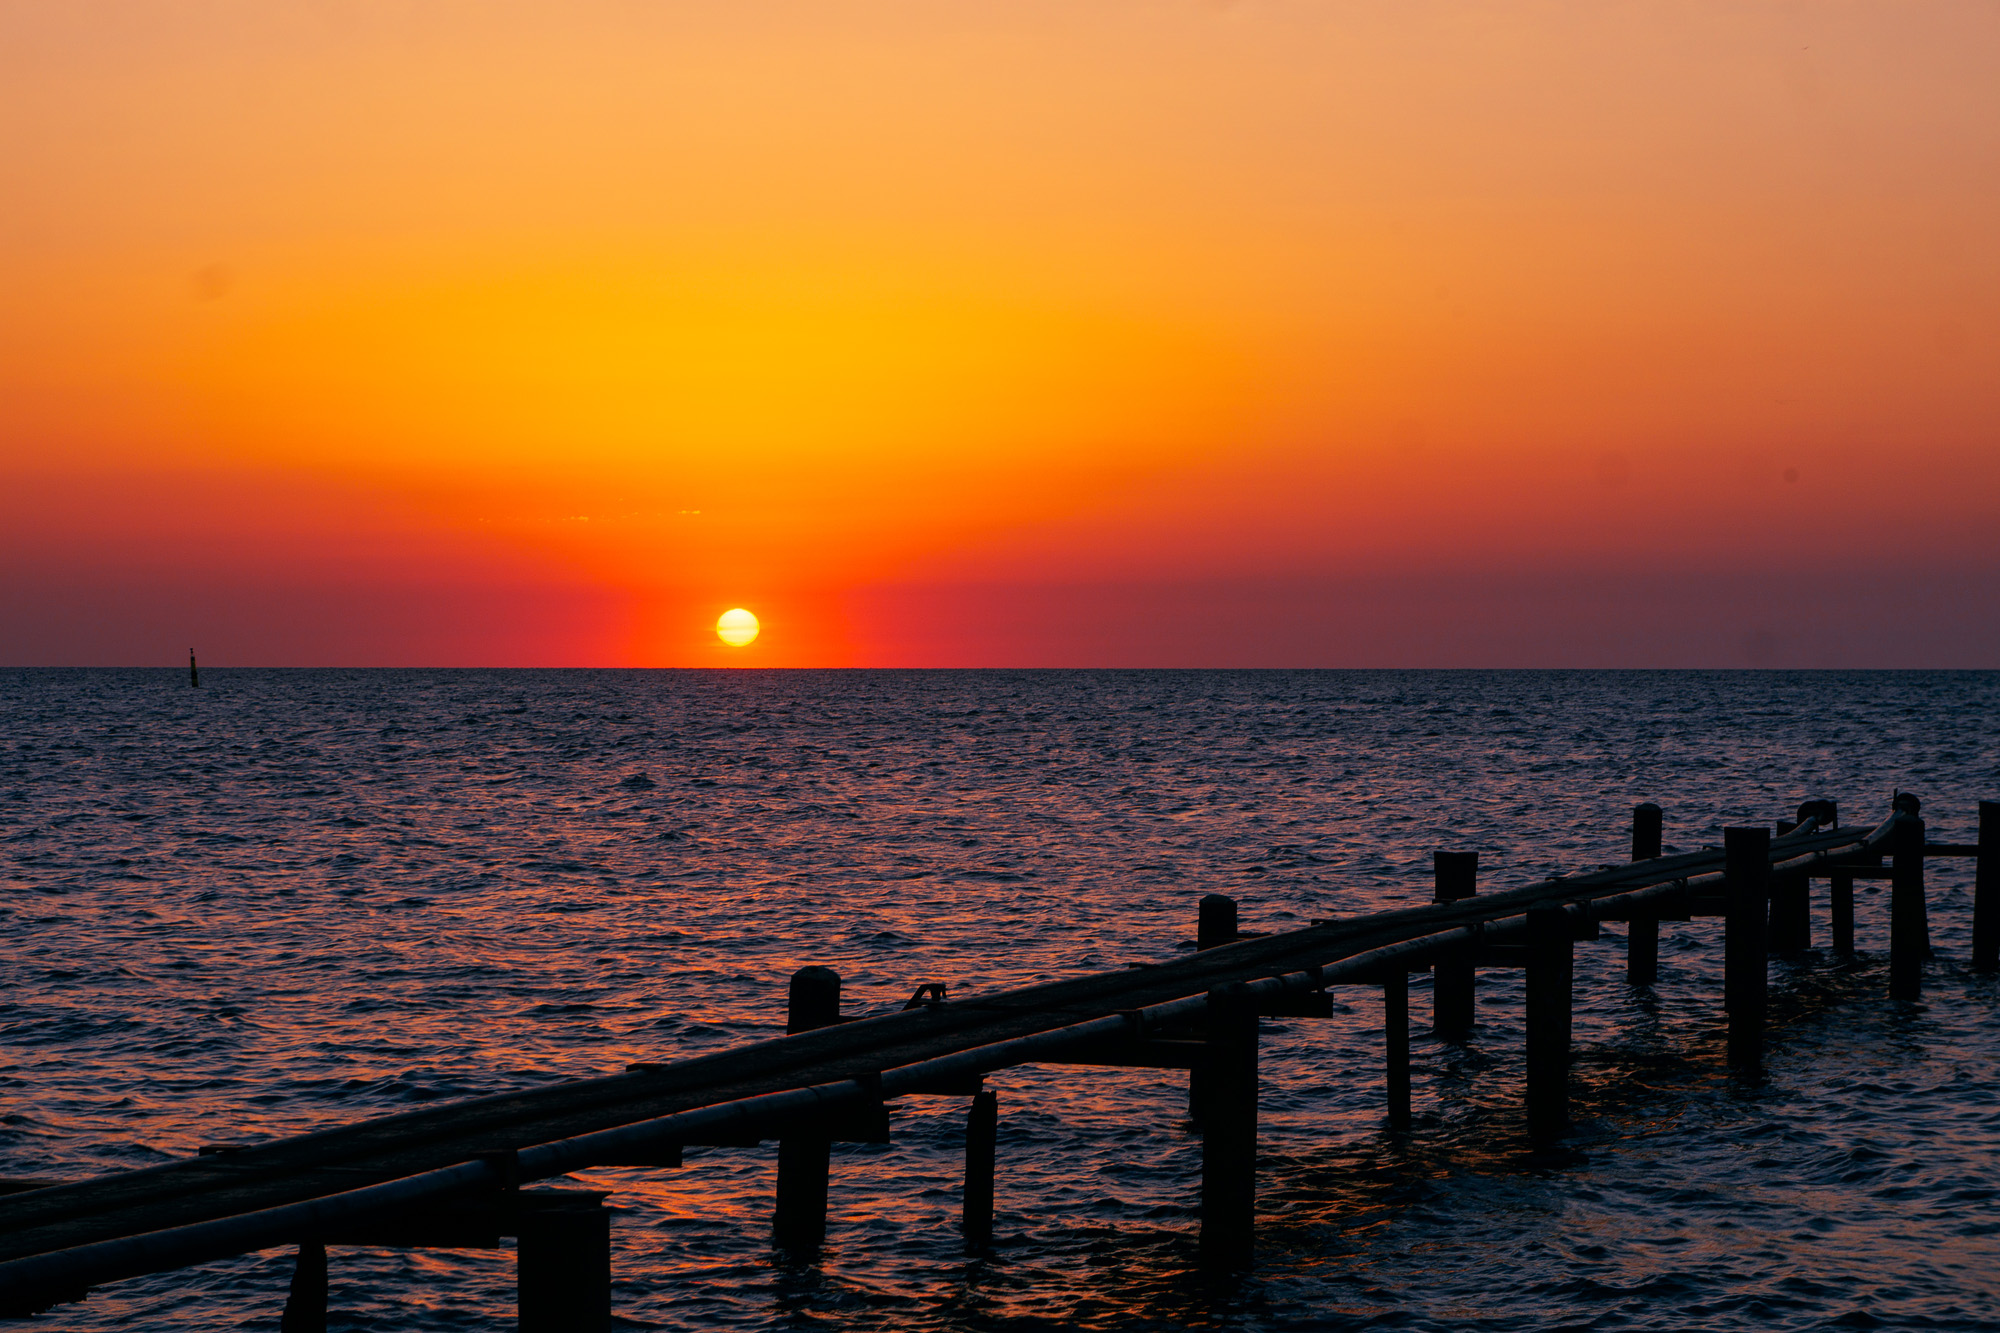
pixel 1281 332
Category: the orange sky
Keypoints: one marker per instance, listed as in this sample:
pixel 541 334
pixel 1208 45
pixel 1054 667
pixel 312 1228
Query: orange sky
pixel 1173 332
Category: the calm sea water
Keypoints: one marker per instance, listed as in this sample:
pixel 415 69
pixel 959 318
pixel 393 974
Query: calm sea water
pixel 295 898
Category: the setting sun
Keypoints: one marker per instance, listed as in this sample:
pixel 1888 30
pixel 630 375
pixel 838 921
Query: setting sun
pixel 737 628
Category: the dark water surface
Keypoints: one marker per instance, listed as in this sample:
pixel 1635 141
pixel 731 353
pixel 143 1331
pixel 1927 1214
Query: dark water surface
pixel 294 898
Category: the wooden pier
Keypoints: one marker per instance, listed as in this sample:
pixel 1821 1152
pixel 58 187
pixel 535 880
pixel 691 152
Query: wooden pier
pixel 455 1176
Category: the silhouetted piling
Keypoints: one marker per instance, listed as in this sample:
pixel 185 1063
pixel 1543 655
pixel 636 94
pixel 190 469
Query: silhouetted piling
pixel 1747 870
pixel 982 1133
pixel 1909 927
pixel 1216 923
pixel 563 1270
pixel 1642 933
pixel 1229 1129
pixel 1548 1020
pixel 1840 908
pixel 799 1222
pixel 1986 890
pixel 194 672
pixel 1788 929
pixel 305 1306
pixel 1455 877
pixel 1396 1044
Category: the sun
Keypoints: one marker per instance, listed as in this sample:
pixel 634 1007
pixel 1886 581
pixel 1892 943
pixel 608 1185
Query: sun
pixel 737 628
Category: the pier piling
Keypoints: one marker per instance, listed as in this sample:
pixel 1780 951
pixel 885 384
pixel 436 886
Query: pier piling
pixel 305 1306
pixel 1840 908
pixel 804 1160
pixel 1229 1129
pixel 1455 877
pixel 1396 1043
pixel 1986 890
pixel 563 1270
pixel 1747 871
pixel 1642 933
pixel 1550 949
pixel 982 1132
pixel 1217 922
pixel 1909 926
pixel 1789 929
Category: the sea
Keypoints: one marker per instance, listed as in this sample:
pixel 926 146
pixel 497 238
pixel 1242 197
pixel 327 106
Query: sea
pixel 292 898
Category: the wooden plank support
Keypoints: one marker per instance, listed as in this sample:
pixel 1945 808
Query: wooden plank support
pixel 982 1133
pixel 305 1304
pixel 1909 926
pixel 1747 868
pixel 1986 890
pixel 1856 871
pixel 804 1159
pixel 1642 934
pixel 1396 1047
pixel 563 1270
pixel 1455 878
pixel 1550 950
pixel 1229 1130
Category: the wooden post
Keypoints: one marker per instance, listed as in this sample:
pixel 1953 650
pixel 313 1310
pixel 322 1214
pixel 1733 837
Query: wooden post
pixel 563 1270
pixel 799 1223
pixel 194 672
pixel 1788 929
pixel 1229 1129
pixel 1456 877
pixel 305 1307
pixel 1986 890
pixel 1840 905
pixel 1909 928
pixel 1396 1042
pixel 982 1131
pixel 1216 923
pixel 1548 1021
pixel 1747 870
pixel 1647 823
pixel 1642 934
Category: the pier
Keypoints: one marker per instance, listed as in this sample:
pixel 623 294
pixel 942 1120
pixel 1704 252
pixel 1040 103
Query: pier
pixel 463 1175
